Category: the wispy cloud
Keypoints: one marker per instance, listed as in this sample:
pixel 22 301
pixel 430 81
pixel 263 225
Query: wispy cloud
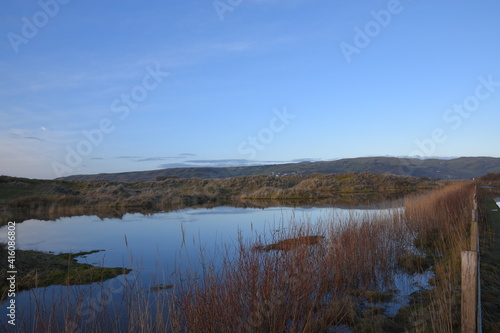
pixel 152 159
pixel 24 137
pixel 139 158
pixel 220 163
pixel 30 152
pixel 126 157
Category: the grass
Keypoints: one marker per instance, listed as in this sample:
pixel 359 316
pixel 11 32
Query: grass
pixel 413 263
pixel 292 243
pixel 39 269
pixel 490 263
pixel 440 222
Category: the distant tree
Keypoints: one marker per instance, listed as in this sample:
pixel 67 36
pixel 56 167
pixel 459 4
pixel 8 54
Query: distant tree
pixel 491 177
pixel 161 178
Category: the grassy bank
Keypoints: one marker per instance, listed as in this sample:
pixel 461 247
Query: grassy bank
pixel 441 223
pixel 39 269
pixel 20 196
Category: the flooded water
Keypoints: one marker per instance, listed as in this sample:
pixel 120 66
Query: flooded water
pixel 156 246
pixel 158 241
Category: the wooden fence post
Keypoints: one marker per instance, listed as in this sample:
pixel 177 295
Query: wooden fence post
pixel 474 236
pixel 469 291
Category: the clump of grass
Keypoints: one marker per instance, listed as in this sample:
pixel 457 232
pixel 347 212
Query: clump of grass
pixel 39 269
pixel 440 223
pixel 412 263
pixel 292 243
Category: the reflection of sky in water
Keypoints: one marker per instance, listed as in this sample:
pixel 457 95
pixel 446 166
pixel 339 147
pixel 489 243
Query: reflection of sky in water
pixel 159 243
pixel 155 239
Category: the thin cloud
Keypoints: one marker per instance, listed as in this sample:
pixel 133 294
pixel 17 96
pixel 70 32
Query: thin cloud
pixel 126 157
pixel 33 138
pixel 220 163
pixel 234 161
pixel 152 159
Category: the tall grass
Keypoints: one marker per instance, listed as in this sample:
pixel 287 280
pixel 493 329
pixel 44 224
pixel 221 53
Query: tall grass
pixel 300 288
pixel 440 221
pixel 315 288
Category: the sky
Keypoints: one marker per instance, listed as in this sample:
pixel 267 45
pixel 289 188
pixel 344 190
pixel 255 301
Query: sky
pixel 113 86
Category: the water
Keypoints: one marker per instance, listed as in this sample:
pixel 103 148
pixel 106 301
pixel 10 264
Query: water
pixel 146 242
pixel 154 246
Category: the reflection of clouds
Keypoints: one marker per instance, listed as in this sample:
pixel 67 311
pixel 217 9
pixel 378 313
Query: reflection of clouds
pixel 185 218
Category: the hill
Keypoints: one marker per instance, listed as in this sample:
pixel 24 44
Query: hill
pixel 458 168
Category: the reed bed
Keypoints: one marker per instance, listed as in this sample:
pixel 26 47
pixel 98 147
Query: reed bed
pixel 330 285
pixel 305 288
pixel 440 222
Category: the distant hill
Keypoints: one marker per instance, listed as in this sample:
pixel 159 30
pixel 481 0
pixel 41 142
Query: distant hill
pixel 458 168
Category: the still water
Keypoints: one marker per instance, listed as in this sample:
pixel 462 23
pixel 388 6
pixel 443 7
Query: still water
pixel 160 241
pixel 158 246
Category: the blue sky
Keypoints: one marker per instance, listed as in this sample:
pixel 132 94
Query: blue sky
pixel 113 86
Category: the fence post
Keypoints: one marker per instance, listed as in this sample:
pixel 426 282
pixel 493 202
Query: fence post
pixel 471 275
pixel 469 291
pixel 474 236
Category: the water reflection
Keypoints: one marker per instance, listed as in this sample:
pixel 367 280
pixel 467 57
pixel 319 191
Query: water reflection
pixel 346 201
pixel 159 245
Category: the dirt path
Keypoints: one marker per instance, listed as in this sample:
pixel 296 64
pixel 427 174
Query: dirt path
pixel 490 265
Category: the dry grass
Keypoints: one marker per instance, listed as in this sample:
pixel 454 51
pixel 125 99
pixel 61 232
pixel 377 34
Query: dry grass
pixel 308 287
pixel 441 222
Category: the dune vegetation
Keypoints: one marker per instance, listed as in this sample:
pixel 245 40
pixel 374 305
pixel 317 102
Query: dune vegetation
pixel 28 197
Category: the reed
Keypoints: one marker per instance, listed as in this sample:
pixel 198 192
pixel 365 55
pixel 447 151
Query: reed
pixel 334 268
pixel 440 222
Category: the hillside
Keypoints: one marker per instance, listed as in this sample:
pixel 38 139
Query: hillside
pixel 458 168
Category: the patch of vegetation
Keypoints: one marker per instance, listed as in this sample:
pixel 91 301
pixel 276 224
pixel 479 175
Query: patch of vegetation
pixel 292 243
pixel 490 264
pixel 39 269
pixel 491 179
pixel 14 188
pixel 71 256
pixel 412 263
pixel 161 287
pixel 372 296
pixel 31 198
